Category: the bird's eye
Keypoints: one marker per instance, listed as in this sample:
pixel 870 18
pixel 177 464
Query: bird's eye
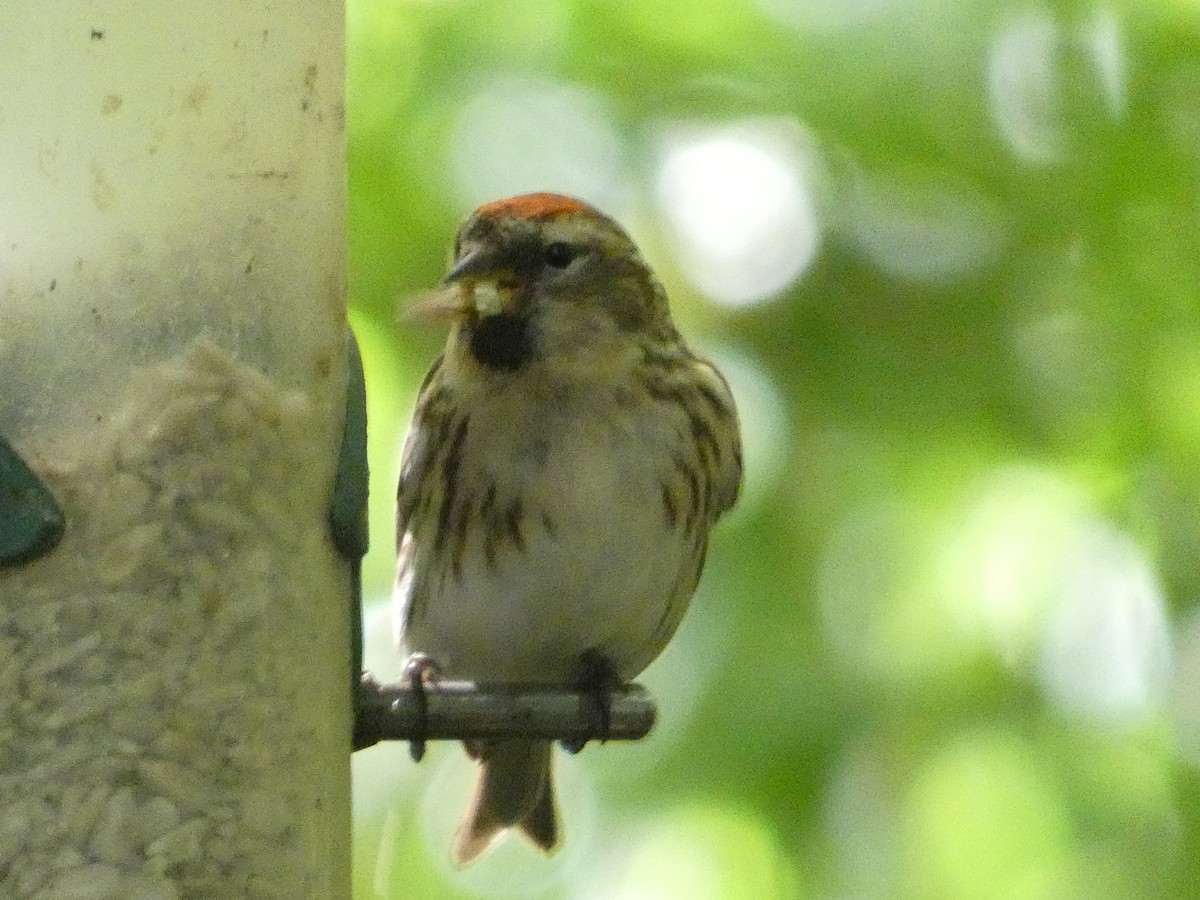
pixel 559 254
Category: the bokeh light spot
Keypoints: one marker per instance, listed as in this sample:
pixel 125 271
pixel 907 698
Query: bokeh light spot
pixel 705 853
pixel 1061 593
pixel 1024 84
pixel 983 817
pixel 1039 74
pixel 739 203
pixel 861 818
pixel 877 605
pixel 502 144
pixel 1002 556
pixel 1185 692
pixel 1107 650
pixel 917 224
pixel 1108 52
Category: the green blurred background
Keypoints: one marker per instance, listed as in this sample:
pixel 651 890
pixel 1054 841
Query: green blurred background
pixel 946 252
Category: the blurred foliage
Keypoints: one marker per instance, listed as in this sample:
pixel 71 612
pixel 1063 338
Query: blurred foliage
pixel 949 646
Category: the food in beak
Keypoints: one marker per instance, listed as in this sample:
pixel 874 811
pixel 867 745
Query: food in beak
pixel 485 297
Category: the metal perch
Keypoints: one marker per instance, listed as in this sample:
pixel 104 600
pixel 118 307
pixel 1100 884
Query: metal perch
pixel 455 710
pixel 460 710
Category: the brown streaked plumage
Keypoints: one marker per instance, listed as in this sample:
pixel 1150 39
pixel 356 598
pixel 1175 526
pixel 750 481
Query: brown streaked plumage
pixel 567 458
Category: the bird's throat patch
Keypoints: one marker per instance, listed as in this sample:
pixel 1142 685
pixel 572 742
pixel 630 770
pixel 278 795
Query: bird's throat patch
pixel 503 341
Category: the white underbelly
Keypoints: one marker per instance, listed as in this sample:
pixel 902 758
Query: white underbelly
pixel 599 568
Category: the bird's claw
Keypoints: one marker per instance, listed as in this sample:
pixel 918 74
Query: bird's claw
pixel 597 679
pixel 419 671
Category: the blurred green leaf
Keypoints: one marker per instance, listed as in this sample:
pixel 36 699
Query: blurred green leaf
pixel 990 359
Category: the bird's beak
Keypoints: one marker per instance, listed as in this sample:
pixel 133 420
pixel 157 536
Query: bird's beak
pixel 478 283
pixel 479 262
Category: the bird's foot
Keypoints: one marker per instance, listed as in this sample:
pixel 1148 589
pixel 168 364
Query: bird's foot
pixel 597 679
pixel 419 671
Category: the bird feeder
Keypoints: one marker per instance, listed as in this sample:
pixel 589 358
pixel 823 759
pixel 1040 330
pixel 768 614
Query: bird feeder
pixel 174 647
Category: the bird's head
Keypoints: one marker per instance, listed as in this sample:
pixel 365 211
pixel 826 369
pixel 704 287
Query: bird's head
pixel 544 275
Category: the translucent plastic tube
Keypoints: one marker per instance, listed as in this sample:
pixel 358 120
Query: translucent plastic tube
pixel 174 706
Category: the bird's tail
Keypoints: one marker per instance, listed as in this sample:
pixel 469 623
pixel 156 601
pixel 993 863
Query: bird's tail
pixel 515 789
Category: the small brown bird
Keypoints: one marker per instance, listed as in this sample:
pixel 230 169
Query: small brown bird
pixel 566 460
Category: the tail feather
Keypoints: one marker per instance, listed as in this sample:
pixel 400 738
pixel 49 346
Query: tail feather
pixel 514 790
pixel 540 825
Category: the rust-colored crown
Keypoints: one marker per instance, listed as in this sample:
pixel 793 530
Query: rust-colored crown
pixel 539 206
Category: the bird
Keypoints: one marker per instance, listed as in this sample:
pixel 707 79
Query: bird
pixel 567 457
